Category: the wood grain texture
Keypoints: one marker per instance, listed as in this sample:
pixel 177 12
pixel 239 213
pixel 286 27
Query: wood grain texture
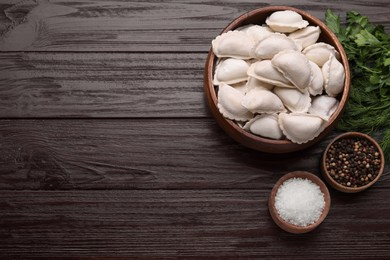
pixel 215 224
pixel 107 148
pixel 101 85
pixel 80 25
pixel 139 154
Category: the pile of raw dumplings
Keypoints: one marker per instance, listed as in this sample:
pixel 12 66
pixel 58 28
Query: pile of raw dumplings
pixel 276 80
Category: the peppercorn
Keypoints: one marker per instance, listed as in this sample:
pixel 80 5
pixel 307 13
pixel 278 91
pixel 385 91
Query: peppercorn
pixel 358 161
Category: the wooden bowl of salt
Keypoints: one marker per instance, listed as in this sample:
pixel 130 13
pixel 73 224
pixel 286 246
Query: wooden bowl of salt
pixel 299 202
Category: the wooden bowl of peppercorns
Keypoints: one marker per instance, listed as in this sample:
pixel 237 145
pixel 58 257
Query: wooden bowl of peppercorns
pixel 352 162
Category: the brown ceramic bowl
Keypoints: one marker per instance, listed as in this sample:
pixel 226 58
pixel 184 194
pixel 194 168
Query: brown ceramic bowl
pixel 284 224
pixel 340 187
pixel 247 139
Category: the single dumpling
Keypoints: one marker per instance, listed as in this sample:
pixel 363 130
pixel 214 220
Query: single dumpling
pixel 229 103
pixel 293 99
pixel 257 32
pixel 306 36
pixel 301 127
pixel 272 45
pixel 286 21
pixel 334 76
pixel 264 71
pixel 295 67
pixel 262 101
pixel 324 106
pixel 230 71
pixel 265 125
pixel 316 85
pixel 319 52
pixel 234 44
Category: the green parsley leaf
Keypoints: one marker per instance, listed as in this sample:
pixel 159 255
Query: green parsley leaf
pixel 365 38
pixel 332 21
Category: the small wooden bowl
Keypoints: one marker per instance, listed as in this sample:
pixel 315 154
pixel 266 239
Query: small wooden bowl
pixel 284 224
pixel 340 187
pixel 258 16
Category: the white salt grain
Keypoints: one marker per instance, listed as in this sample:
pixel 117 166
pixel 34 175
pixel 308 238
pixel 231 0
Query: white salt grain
pixel 299 201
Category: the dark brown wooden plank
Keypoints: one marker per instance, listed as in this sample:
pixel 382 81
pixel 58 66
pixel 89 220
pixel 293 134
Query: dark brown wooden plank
pixel 188 26
pixel 224 224
pixel 101 85
pixel 139 154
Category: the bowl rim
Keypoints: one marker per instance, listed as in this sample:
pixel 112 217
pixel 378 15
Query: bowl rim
pixel 288 226
pixel 248 139
pixel 335 184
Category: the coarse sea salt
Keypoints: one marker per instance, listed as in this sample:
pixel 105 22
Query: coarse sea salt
pixel 299 201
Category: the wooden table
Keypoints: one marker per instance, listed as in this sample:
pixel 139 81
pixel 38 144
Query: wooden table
pixel 107 147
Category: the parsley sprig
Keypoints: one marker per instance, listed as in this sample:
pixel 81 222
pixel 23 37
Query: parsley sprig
pixel 368 50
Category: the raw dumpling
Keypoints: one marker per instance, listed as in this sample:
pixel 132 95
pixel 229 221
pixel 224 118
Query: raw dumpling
pixel 272 45
pixel 229 103
pixel 265 125
pixel 301 127
pixel 295 67
pixel 254 83
pixel 286 21
pixel 257 32
pixel 231 71
pixel 262 101
pixel 316 85
pixel 306 36
pixel 293 99
pixel 319 52
pixel 264 71
pixel 324 106
pixel 334 76
pixel 235 44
